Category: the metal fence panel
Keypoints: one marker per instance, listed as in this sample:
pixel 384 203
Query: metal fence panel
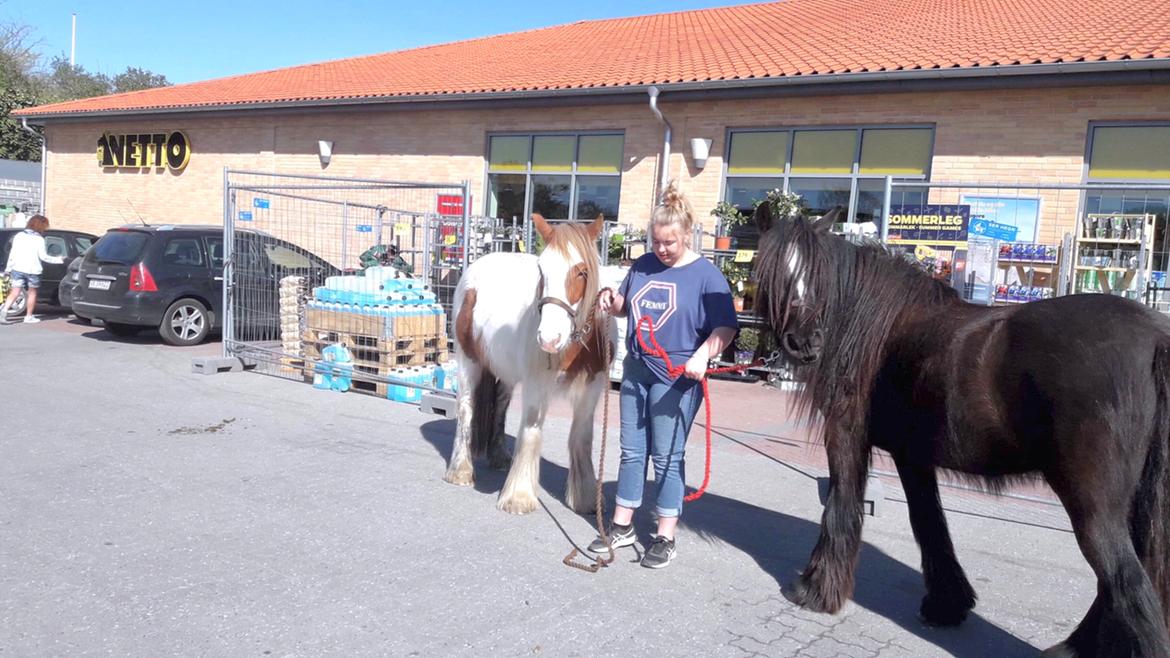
pixel 1063 216
pixel 307 266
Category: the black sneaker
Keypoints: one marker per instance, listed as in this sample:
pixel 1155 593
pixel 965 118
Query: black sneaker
pixel 660 553
pixel 619 536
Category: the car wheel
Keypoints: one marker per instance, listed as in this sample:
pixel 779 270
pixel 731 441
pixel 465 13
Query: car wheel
pixel 186 322
pixel 123 330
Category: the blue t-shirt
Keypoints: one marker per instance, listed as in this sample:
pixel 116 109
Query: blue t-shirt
pixel 685 304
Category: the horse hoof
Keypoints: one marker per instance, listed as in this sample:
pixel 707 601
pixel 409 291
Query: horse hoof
pixel 517 504
pixel 802 595
pixel 942 613
pixel 462 478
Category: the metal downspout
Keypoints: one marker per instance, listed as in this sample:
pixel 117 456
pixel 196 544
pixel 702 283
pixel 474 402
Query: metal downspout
pixel 44 153
pixel 664 163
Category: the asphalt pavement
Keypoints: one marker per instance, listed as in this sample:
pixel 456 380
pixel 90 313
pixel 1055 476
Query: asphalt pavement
pixel 147 511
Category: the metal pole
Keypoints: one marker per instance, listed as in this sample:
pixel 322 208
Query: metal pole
pixel 344 233
pixel 466 226
pixel 886 198
pixel 228 271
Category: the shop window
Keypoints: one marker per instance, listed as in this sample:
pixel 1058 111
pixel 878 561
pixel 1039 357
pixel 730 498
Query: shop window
pixel 552 153
pixel 1134 153
pixel 828 166
pixel 600 154
pixel 574 177
pixel 550 196
pixel 824 151
pixel 758 153
pixel 895 152
pixel 821 194
pixel 508 154
pixel 597 195
pixel 506 195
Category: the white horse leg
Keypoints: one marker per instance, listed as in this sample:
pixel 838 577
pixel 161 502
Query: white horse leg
pixel 581 490
pixel 519 493
pixel 460 470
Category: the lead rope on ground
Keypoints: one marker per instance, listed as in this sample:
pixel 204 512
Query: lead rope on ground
pixel 656 350
pixel 599 509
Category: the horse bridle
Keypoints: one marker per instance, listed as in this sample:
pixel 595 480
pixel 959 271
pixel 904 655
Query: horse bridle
pixel 579 332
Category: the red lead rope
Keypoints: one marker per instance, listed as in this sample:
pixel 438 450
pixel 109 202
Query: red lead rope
pixel 674 371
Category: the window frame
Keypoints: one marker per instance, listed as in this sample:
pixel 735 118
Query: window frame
pixel 572 173
pixel 1091 133
pixel 854 176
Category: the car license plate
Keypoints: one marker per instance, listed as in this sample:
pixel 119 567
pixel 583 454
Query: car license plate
pixel 99 284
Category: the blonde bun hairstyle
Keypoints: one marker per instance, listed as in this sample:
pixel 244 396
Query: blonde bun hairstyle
pixel 674 210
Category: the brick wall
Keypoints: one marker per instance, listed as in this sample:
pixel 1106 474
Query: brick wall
pixel 988 136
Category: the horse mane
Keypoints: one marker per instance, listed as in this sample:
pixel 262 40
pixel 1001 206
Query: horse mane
pixel 569 237
pixel 860 294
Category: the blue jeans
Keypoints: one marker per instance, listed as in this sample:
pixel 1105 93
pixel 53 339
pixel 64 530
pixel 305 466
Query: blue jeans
pixel 656 419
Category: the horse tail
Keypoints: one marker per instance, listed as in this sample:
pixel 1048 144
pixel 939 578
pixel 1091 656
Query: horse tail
pixel 484 401
pixel 1150 525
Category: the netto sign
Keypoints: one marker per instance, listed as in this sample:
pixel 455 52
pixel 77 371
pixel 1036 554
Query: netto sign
pixel 141 151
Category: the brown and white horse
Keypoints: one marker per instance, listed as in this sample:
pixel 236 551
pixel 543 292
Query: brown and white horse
pixel 523 319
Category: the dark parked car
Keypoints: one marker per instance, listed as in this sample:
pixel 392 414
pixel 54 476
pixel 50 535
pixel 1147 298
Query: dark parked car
pixel 68 284
pixel 171 278
pixel 69 244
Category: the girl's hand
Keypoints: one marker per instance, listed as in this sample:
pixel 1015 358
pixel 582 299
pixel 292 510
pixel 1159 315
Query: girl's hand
pixel 607 300
pixel 696 367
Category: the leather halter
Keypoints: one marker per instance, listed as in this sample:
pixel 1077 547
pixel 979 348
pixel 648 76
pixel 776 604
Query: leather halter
pixel 579 333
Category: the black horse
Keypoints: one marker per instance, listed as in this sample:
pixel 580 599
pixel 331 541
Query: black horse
pixel 1074 388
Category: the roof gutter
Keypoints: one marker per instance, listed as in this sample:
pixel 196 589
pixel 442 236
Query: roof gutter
pixel 664 162
pixel 24 124
pixel 822 83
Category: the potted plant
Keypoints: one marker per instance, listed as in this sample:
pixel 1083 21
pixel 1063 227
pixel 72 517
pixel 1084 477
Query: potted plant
pixel 746 345
pixel 729 218
pixel 737 276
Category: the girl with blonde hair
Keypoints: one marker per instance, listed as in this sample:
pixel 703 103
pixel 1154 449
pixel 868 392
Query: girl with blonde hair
pixel 689 302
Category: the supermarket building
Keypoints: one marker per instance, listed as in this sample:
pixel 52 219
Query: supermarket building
pixel 821 97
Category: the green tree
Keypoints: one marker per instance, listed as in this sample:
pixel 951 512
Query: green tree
pixel 67 82
pixel 19 88
pixel 136 79
pixel 25 83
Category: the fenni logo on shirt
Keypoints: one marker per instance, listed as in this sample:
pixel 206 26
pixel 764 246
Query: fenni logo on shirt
pixel 657 300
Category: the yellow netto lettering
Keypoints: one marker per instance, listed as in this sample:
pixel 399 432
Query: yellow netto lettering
pixel 141 151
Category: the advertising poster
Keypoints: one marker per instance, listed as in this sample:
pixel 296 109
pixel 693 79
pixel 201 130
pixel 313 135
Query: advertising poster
pixel 1020 212
pixel 930 234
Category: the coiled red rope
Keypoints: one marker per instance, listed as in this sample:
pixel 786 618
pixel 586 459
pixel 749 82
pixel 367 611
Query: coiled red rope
pixel 675 371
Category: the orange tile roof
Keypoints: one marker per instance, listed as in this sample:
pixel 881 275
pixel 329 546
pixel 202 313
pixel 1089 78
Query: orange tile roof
pixel 773 41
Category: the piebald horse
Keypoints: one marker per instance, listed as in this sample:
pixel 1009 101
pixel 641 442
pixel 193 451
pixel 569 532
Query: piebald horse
pixel 524 319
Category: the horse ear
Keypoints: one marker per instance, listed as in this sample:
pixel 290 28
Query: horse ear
pixel 763 217
pixel 595 226
pixel 828 219
pixel 543 228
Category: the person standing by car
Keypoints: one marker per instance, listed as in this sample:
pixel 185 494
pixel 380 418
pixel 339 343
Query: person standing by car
pixel 24 264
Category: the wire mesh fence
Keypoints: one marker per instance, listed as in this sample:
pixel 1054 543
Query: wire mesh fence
pixel 342 281
pixel 1006 243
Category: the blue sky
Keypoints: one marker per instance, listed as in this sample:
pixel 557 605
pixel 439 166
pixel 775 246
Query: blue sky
pixel 198 40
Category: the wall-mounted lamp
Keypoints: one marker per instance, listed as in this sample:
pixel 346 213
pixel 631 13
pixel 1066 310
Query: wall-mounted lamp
pixel 700 150
pixel 325 151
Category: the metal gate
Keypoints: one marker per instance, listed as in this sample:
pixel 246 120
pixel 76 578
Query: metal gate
pixel 298 246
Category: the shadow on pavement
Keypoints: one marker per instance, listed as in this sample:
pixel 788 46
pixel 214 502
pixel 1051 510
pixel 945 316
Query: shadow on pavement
pixel 780 544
